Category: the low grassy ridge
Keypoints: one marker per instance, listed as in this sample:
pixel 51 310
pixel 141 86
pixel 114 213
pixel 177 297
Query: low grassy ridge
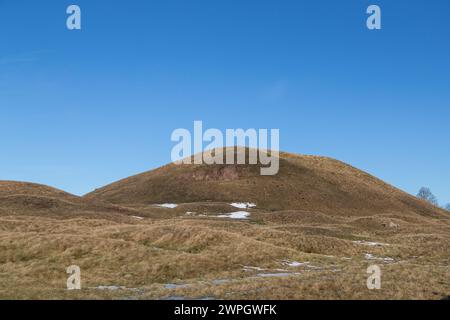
pixel 271 255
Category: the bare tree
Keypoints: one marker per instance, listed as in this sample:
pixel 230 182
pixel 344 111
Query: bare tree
pixel 427 195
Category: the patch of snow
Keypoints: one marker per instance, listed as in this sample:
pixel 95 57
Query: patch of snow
pixel 271 275
pixel 243 205
pixel 175 298
pixel 393 225
pixel 247 268
pixel 295 264
pixel 314 267
pixel 139 218
pixel 235 215
pixel 336 270
pixel 111 288
pixel 180 298
pixel 370 243
pixel 175 286
pixel 370 256
pixel 167 205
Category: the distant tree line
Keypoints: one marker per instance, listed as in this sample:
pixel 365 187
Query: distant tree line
pixel 427 195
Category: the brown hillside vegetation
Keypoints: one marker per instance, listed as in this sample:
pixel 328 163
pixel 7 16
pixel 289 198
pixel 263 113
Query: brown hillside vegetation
pixel 24 198
pixel 314 230
pixel 307 183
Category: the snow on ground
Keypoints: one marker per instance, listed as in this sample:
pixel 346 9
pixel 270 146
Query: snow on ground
pixel 167 205
pixel 116 288
pixel 295 264
pixel 136 217
pixel 181 298
pixel 243 205
pixel 248 268
pixel 281 274
pixel 176 286
pixel 370 243
pixel 268 273
pixel 111 288
pixel 370 256
pixel 235 215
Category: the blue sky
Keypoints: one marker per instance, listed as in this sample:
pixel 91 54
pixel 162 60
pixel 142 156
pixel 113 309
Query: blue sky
pixel 80 109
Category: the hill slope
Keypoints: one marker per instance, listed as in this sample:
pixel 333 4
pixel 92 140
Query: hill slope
pixel 333 221
pixel 23 198
pixel 309 183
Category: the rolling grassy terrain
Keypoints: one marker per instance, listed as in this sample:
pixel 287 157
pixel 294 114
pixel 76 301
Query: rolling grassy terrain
pixel 225 233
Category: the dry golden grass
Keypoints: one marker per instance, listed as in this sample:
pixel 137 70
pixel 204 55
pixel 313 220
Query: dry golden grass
pixel 309 183
pixel 199 252
pixel 317 211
